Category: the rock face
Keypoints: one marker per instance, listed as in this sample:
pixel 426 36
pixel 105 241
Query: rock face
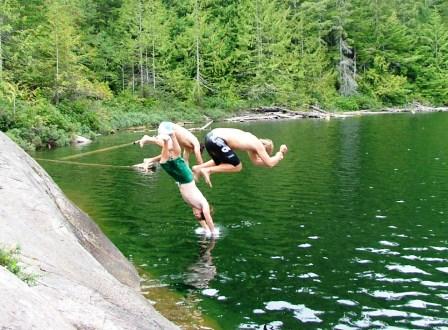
pixel 83 280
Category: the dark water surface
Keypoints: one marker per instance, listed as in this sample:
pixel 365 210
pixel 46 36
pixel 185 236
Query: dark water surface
pixel 348 232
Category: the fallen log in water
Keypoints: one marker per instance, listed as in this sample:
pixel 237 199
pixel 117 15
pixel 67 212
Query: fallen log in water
pixel 275 112
pixel 194 129
pixel 278 114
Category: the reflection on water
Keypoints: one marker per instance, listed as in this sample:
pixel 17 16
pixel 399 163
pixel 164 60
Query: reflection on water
pixel 201 272
pixel 348 232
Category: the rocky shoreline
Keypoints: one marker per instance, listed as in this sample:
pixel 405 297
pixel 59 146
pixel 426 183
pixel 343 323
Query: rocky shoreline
pixel 82 280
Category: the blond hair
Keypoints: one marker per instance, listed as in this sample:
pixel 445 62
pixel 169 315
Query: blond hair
pixel 268 145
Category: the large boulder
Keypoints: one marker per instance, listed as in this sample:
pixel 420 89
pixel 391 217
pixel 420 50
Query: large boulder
pixel 83 280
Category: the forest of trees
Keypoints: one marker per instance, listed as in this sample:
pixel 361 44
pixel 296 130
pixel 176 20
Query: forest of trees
pixel 88 66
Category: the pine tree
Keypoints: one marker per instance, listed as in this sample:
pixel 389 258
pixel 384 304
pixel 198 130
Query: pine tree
pixel 61 46
pixel 217 49
pixel 432 66
pixel 157 42
pixel 131 43
pixel 346 57
pixel 313 73
pixel 262 50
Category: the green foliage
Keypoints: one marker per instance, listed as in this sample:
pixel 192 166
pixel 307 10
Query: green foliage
pixel 9 260
pixel 353 103
pixel 71 67
pixel 39 137
pixel 380 83
pixel 346 103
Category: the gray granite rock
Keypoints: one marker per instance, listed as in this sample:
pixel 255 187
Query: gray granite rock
pixel 83 280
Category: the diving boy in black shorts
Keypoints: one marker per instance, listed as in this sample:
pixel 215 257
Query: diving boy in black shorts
pixel 220 152
pixel 219 144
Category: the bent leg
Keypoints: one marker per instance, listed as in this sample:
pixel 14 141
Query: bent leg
pixel 176 147
pixel 221 168
pixel 197 168
pixel 165 155
pixel 186 154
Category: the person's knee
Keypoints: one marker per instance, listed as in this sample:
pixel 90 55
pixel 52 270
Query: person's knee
pixel 239 167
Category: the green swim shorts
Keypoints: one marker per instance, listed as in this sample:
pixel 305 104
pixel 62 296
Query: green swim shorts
pixel 178 169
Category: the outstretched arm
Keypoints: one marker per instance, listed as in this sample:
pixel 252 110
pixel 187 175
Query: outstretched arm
pixel 148 140
pixel 208 218
pixel 260 157
pixel 149 162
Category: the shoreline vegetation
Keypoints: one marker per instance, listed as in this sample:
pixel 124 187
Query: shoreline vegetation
pixel 63 132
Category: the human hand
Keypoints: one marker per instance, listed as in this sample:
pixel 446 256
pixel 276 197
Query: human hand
pixel 283 149
pixel 143 140
pixel 145 165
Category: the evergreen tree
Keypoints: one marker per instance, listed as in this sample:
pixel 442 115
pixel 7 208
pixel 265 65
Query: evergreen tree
pixel 432 66
pixel 345 54
pixel 261 53
pixel 7 16
pixel 157 44
pixel 131 43
pixel 313 73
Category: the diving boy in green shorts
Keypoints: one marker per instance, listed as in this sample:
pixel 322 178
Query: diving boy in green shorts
pixel 172 162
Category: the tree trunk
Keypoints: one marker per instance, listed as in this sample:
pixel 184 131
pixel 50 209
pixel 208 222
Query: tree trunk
pixel 57 69
pixel 133 79
pixel 140 31
pixel 122 76
pixel 198 74
pixel 259 40
pixel 153 64
pixel 14 107
pixel 146 66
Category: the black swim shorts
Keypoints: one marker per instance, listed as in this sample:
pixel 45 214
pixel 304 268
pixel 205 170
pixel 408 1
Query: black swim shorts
pixel 220 152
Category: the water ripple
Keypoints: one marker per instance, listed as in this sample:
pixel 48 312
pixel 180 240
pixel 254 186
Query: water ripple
pixel 301 312
pixel 407 269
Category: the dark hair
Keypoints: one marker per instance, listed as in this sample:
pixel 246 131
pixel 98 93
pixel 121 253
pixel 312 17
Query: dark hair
pixel 201 147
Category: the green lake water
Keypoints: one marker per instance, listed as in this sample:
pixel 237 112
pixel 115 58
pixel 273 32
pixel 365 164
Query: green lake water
pixel 349 231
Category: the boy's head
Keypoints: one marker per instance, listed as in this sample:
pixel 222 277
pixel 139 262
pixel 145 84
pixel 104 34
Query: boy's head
pixel 268 145
pixel 198 214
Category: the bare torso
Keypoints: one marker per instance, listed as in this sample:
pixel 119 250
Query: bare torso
pixel 237 139
pixel 185 138
pixel 192 195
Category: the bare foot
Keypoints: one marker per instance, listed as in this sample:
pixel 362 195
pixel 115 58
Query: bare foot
pixel 283 149
pixel 206 174
pixel 196 173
